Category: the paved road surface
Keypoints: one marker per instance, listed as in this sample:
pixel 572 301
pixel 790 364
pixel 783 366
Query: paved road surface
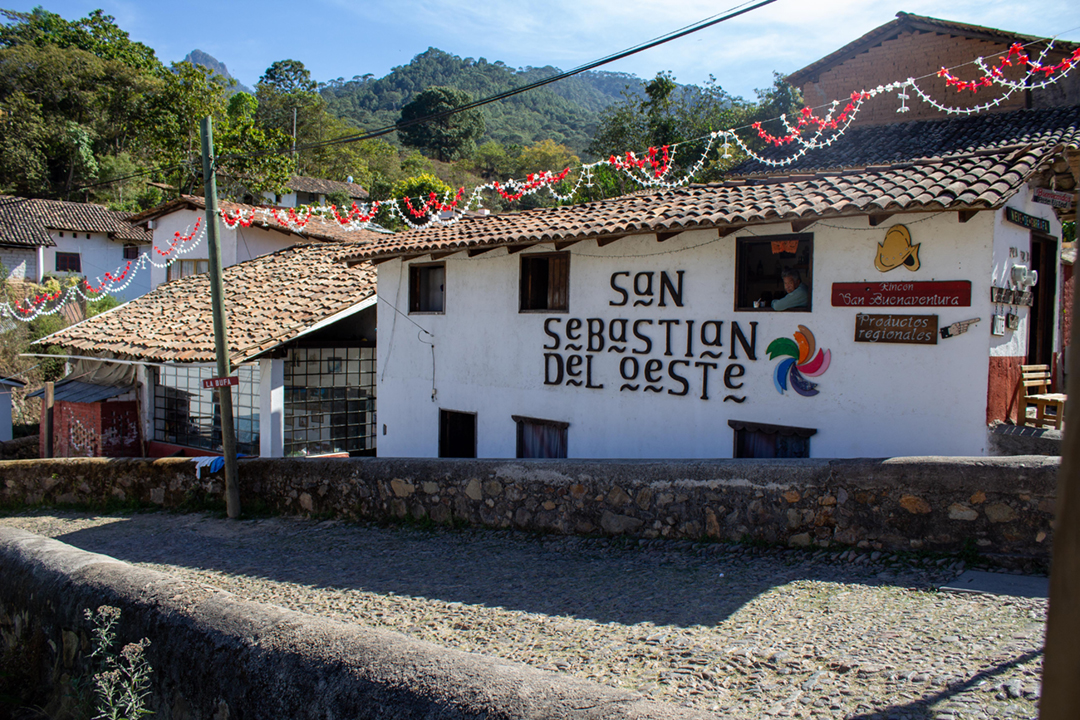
pixel 752 632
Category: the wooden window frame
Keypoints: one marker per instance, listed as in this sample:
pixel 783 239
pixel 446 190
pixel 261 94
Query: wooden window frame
pixel 68 257
pixel 131 251
pixel 738 426
pixel 415 295
pixel 807 273
pixel 519 424
pixel 557 298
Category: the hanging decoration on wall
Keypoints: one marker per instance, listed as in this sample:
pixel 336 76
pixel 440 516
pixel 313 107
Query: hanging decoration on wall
pixel 958 328
pixel 896 250
pixel 799 362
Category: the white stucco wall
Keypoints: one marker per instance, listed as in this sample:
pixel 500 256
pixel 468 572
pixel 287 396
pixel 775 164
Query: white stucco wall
pixel 875 399
pixel 237 244
pixel 98 255
pixel 1012 246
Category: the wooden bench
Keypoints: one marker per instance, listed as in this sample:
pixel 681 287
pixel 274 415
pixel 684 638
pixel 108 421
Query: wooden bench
pixel 1034 390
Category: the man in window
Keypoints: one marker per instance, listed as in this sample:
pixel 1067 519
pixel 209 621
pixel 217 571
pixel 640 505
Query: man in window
pixel 798 295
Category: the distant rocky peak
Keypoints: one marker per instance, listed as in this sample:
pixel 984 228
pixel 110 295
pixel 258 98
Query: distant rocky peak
pixel 206 60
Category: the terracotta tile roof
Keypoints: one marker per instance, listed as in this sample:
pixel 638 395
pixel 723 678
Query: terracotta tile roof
pixel 316 229
pixel 897 142
pixel 983 175
pixel 27 221
pixel 907 22
pixel 268 300
pixel 320 186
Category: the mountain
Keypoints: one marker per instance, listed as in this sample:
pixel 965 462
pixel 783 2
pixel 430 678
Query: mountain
pixel 566 111
pixel 198 57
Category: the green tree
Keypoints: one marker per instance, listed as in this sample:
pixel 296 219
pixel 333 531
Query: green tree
pixel 447 138
pixel 97 34
pixel 418 190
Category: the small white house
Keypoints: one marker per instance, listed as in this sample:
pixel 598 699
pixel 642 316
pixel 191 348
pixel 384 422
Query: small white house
pixel 642 326
pixel 315 191
pixel 173 223
pixel 39 238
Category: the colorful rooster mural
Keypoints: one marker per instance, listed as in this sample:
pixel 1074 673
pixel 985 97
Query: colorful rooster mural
pixel 799 362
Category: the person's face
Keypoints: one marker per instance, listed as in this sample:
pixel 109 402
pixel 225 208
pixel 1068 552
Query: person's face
pixel 790 284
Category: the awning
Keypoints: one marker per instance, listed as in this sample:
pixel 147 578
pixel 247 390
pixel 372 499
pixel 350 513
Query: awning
pixel 77 391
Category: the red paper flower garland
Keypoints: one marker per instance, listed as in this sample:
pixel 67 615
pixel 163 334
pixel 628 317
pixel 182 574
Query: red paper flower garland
pixel 1006 61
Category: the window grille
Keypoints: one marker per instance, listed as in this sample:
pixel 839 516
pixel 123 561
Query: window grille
pixel 186 414
pixel 330 401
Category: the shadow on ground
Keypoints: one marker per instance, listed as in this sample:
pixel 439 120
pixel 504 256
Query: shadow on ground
pixel 595 578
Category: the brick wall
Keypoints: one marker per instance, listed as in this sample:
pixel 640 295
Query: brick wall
pixel 912 54
pixel 94 430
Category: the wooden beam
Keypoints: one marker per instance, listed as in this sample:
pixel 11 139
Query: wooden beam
pixel 665 236
pixel 378 261
pixel 1060 698
pixel 565 244
pixel 800 225
pixel 441 255
pixel 966 215
pixel 601 242
pixel 878 218
pixel 514 249
pixel 725 231
pixel 480 251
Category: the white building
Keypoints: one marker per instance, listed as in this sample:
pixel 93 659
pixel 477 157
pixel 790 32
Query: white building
pixel 301 331
pixel 39 238
pixel 628 328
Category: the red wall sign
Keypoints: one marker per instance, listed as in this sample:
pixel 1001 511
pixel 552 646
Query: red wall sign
pixel 952 293
pixel 212 383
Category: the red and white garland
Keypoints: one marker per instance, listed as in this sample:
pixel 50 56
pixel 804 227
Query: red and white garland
pixel 806 132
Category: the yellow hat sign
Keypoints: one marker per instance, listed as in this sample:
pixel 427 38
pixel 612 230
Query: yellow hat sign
pixel 897 250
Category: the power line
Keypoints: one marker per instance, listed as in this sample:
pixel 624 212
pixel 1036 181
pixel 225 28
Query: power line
pixel 674 35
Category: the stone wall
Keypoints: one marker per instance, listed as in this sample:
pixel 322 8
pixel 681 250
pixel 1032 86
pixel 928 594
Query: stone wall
pixel 994 505
pixel 216 656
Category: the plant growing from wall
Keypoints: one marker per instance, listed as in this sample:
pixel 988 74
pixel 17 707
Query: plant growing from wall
pixel 121 682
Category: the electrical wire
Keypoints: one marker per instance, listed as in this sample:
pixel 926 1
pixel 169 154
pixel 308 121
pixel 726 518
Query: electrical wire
pixel 734 12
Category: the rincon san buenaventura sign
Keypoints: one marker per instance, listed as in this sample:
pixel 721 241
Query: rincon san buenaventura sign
pixel 952 293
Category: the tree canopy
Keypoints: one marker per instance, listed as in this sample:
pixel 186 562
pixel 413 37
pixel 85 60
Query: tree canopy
pixel 448 138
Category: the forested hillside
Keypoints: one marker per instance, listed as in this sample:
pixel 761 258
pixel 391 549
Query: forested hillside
pixel 566 112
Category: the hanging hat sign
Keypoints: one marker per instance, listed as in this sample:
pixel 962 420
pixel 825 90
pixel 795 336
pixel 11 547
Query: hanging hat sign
pixel 897 250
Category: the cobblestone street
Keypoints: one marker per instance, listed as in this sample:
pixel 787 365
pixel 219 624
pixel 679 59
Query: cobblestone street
pixel 746 631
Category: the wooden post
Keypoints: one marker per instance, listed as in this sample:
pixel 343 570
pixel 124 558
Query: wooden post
pixel 1061 663
pixel 221 340
pixel 47 425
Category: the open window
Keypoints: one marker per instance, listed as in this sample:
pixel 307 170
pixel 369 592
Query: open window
pixel 427 288
pixel 760 440
pixel 538 438
pixel 761 264
pixel 545 282
pixel 68 262
pixel 457 434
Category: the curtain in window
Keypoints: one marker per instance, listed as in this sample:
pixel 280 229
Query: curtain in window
pixel 542 441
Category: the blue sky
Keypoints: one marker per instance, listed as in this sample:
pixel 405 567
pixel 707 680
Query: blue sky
pixel 343 38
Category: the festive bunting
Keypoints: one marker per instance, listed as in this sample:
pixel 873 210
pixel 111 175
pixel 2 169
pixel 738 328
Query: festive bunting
pixel 806 132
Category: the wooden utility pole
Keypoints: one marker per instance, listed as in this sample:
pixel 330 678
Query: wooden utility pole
pixel 1060 698
pixel 221 341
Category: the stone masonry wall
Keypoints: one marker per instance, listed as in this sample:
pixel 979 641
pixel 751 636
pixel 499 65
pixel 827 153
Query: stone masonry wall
pixel 995 505
pixel 217 656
